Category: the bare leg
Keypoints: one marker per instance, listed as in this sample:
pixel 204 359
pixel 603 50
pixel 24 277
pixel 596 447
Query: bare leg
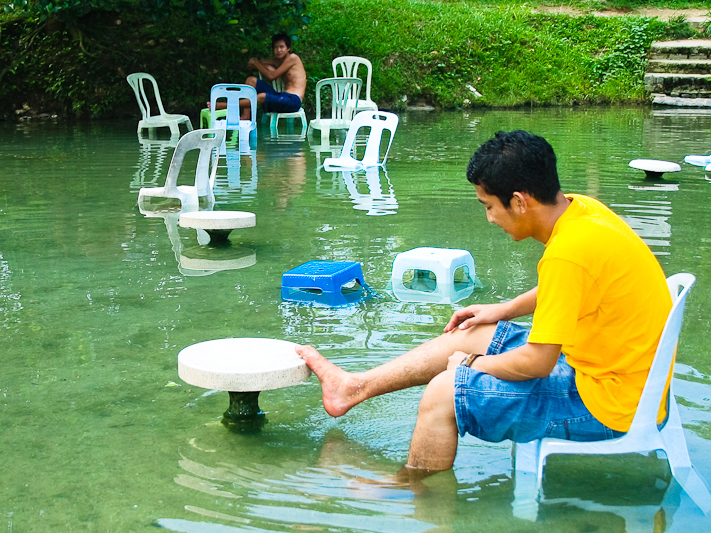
pixel 246 106
pixel 343 390
pixel 434 441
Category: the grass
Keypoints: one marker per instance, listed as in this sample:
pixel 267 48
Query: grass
pixel 423 51
pixel 512 55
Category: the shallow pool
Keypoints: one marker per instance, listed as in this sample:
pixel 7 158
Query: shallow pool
pixel 98 433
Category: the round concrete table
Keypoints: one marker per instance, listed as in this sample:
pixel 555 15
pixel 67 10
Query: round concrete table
pixel 218 224
pixel 654 168
pixel 244 367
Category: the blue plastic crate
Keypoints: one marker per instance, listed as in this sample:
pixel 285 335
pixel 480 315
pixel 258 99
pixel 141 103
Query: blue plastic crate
pixel 324 276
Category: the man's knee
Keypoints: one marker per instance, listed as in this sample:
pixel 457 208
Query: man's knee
pixel 438 399
pixel 252 80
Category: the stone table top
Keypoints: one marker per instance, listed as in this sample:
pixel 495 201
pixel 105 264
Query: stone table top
pixel 654 165
pixel 217 220
pixel 242 364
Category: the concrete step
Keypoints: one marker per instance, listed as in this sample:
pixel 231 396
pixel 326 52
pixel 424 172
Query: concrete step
pixel 680 66
pixel 684 85
pixel 686 49
pixel 663 99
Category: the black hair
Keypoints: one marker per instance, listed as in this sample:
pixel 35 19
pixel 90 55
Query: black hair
pixel 282 37
pixel 515 161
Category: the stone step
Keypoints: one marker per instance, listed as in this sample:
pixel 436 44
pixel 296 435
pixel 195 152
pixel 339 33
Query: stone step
pixel 680 66
pixel 663 99
pixel 685 49
pixel 685 85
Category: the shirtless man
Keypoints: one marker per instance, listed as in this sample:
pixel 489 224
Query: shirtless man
pixel 284 65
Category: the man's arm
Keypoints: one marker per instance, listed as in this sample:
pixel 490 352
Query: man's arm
pixel 520 364
pixel 523 304
pixel 272 74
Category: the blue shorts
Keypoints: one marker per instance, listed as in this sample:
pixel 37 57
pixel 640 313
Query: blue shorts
pixel 493 410
pixel 275 102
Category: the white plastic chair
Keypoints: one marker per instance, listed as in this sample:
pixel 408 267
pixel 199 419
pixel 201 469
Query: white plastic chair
pixel 234 93
pixel 644 434
pixel 377 121
pixel 204 140
pixel 278 85
pixel 137 82
pixel 341 91
pixel 347 67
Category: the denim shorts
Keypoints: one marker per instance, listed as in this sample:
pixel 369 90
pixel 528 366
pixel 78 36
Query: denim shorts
pixel 275 102
pixel 493 410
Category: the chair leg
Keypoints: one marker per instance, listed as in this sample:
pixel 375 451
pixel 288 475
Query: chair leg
pixel 274 122
pixel 680 463
pixel 695 487
pixel 174 129
pixel 189 125
pixel 325 135
pixel 525 458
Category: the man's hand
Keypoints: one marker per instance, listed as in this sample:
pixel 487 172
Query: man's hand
pixel 477 314
pixel 252 62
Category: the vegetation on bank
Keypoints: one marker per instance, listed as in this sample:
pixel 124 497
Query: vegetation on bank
pixel 447 54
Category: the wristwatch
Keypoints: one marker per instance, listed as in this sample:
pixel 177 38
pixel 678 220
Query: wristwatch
pixel 469 359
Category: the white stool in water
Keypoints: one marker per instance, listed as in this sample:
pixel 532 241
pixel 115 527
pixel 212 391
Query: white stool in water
pixel 654 168
pixel 218 224
pixel 442 262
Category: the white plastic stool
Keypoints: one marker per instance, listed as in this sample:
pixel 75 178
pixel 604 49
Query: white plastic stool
pixel 442 262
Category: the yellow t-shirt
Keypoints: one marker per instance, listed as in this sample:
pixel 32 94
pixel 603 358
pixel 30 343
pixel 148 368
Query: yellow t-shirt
pixel 603 296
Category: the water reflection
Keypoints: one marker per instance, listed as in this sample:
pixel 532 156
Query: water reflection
pixel 200 260
pixel 230 184
pixel 649 219
pixel 10 301
pixel 153 153
pixel 370 190
pixel 341 484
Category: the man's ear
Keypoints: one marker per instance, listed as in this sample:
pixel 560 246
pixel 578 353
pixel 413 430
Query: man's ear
pixel 519 202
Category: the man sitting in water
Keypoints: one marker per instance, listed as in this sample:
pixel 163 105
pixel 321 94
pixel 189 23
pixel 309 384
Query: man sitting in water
pixel 284 65
pixel 598 313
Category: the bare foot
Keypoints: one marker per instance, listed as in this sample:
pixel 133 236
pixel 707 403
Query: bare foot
pixel 341 390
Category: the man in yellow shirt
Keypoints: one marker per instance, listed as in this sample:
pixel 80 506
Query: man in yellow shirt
pixel 598 312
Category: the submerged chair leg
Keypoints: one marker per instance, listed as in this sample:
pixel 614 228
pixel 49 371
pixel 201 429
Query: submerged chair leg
pixel 694 486
pixel 526 486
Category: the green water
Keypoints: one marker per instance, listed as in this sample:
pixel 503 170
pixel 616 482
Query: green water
pixel 98 433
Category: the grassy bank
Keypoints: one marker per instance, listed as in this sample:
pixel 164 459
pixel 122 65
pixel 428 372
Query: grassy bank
pixel 422 52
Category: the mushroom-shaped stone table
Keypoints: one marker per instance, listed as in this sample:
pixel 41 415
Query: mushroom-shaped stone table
pixel 654 168
pixel 244 367
pixel 218 224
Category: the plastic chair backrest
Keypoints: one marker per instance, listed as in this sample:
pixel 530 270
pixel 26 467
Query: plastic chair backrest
pixel 233 93
pixel 342 90
pixel 206 141
pixel 277 84
pixel 347 67
pixel 378 121
pixel 137 83
pixel 660 371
